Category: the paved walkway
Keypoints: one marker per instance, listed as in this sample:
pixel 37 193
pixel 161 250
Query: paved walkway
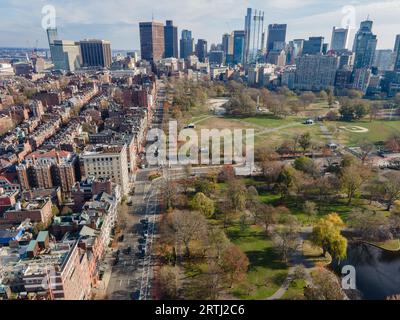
pixel 296 260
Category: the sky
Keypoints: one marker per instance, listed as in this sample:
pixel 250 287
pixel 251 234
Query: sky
pixel 117 20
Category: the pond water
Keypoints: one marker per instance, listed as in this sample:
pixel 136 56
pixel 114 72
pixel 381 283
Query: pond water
pixel 377 270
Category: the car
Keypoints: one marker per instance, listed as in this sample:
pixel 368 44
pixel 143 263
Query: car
pixel 140 254
pixel 142 240
pixel 128 250
pixel 121 238
pixel 144 221
pixel 115 262
pixel 135 295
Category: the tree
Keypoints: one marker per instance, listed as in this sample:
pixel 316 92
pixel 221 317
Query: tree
pixel 234 263
pixel 307 98
pixel 252 198
pixel 286 237
pixel 393 143
pixel 325 286
pixel 186 226
pixel 370 225
pixel 285 181
pixel 306 165
pixel 391 189
pixel 203 204
pixel 241 105
pixel 169 192
pixel 169 282
pixel 237 194
pixel 310 208
pixel 266 216
pixel 366 147
pixel 374 111
pixel 305 141
pixel 326 234
pixel 352 178
pixel 323 95
pixel 205 186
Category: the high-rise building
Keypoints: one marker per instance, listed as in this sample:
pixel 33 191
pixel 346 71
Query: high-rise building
pixel 315 72
pixel 364 46
pixel 339 38
pixel 107 161
pixel 238 46
pixel 254 29
pixel 66 55
pixel 52 35
pixel 96 53
pixel 171 40
pixel 397 44
pixel 314 45
pixel 227 46
pixel 295 49
pixel 216 57
pixel 383 60
pixel 396 54
pixel 201 50
pixel 277 57
pixel 187 44
pixel 152 41
pixel 276 36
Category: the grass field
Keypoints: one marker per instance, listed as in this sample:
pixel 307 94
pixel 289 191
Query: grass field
pixel 266 271
pixel 295 290
pixel 378 131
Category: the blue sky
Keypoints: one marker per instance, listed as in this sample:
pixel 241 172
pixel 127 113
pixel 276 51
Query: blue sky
pixel 117 20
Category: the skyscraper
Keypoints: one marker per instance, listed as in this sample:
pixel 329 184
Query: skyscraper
pixel 314 45
pixel 339 38
pixel 52 35
pixel 171 40
pixel 96 53
pixel 152 44
pixel 187 44
pixel 238 46
pixel 201 50
pixel 66 55
pixel 396 54
pixel 276 36
pixel 295 50
pixel 397 43
pixel 227 46
pixel 364 45
pixel 254 29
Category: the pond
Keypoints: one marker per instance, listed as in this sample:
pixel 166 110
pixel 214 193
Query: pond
pixel 377 270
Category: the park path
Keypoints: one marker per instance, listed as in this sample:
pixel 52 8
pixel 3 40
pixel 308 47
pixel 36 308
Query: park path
pixel 296 259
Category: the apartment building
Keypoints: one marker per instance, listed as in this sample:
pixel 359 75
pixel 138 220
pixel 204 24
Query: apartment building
pixel 107 161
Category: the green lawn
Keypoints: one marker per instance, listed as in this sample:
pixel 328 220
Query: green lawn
pixel 379 131
pixel 266 271
pixel 295 290
pixel 271 122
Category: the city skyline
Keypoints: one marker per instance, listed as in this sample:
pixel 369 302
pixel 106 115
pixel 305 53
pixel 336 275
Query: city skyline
pixel 113 22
